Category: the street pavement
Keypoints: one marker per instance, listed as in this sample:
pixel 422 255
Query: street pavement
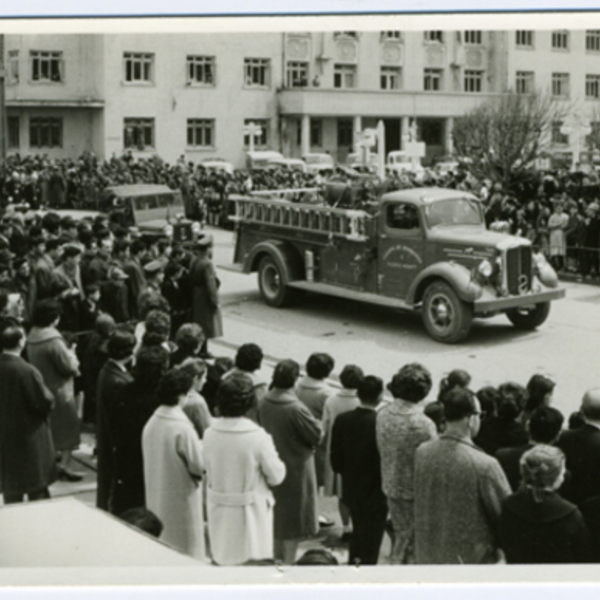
pixel 381 340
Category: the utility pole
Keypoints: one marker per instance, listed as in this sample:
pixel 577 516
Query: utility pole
pixel 3 123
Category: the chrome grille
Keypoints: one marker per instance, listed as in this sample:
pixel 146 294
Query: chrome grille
pixel 519 270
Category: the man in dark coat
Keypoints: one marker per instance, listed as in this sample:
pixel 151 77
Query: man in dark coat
pixel 151 296
pixel 582 449
pixel 137 279
pixel 205 292
pixel 27 457
pixel 113 376
pixel 355 456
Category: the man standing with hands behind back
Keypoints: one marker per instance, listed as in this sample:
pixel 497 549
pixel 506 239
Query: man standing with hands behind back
pixel 205 292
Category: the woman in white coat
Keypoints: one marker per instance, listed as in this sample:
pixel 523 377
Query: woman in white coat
pixel 173 467
pixel 241 464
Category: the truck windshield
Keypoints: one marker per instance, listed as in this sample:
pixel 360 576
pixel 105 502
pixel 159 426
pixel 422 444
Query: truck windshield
pixel 457 211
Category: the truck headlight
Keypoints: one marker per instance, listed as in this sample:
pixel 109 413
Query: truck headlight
pixel 168 230
pixel 195 227
pixel 485 269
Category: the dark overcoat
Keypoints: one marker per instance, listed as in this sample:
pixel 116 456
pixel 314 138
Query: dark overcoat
pixel 27 457
pixel 205 297
pixel 296 434
pixel 110 381
pixel 551 531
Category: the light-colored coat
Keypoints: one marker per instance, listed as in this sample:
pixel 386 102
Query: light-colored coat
pixel 173 466
pixel 344 401
pixel 241 464
pixel 48 352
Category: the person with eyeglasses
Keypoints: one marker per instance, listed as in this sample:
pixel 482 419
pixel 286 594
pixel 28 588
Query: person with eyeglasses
pixel 459 491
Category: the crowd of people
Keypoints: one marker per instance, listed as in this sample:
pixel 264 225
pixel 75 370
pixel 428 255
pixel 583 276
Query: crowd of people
pixel 111 332
pixel 103 329
pixel 559 210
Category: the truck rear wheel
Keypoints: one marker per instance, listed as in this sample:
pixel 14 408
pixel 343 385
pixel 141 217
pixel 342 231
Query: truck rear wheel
pixel 447 318
pixel 272 283
pixel 529 317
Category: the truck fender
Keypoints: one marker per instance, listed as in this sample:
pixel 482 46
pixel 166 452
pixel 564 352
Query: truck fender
pixel 284 254
pixel 458 276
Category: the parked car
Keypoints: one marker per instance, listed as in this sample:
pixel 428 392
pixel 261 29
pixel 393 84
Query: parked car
pixel 260 159
pixel 218 164
pixel 319 163
pixel 289 164
pixel 356 161
pixel 400 162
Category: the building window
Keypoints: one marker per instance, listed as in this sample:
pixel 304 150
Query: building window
pixel 592 86
pixel 47 66
pixel 473 81
pixel 256 72
pixel 260 139
pixel 316 132
pixel 592 40
pixel 524 38
pixel 344 132
pixel 594 133
pixel 525 82
pixel 433 36
pixel 138 133
pixel 14 132
pixel 45 132
pixel 560 40
pixel 138 67
pixel 344 76
pixel 432 80
pixel 345 34
pixel 391 35
pixel 201 70
pixel 12 73
pixel 200 133
pixel 473 37
pixel 297 74
pixel 390 78
pixel 557 136
pixel 560 85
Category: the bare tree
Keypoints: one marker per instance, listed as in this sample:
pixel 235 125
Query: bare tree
pixel 503 136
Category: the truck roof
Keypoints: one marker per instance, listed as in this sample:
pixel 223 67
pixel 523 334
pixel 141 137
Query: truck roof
pixel 427 195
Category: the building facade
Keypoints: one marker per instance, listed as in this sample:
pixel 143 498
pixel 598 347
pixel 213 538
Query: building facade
pixel 192 95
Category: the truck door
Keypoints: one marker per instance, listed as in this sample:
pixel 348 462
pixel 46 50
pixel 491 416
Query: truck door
pixel 401 248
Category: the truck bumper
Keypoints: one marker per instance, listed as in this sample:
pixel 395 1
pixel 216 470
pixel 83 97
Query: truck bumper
pixel 485 305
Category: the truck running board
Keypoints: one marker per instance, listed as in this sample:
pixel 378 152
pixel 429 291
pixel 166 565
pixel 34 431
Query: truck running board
pixel 342 292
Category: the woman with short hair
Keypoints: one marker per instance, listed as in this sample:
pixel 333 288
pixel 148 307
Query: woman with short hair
pixel 49 353
pixel 296 433
pixel 173 466
pixel 537 526
pixel 242 465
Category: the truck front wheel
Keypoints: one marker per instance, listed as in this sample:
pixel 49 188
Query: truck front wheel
pixel 447 318
pixel 271 282
pixel 529 317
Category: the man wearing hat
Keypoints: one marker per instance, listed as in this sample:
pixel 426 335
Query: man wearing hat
pixel 152 294
pixel 205 292
pixel 68 276
pixel 43 278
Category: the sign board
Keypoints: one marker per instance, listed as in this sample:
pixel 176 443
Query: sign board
pixel 415 149
pixel 367 138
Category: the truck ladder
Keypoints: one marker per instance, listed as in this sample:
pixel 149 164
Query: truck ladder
pixel 335 222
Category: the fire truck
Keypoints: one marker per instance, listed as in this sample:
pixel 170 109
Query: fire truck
pixel 421 249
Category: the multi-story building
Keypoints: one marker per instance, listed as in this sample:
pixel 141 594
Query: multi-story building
pixel 192 95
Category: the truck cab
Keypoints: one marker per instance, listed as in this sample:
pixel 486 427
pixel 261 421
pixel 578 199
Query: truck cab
pixel 424 248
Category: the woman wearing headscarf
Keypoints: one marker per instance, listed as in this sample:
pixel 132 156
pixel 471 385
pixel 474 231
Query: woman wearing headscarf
pixel 242 465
